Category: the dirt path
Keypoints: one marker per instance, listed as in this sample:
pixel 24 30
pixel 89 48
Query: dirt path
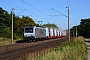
pixel 88 47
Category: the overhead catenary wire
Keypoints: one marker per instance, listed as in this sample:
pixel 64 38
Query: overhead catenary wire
pixel 47 7
pixel 59 12
pixel 36 9
pixel 21 12
pixel 30 6
pixel 18 8
pixel 9 4
pixel 51 8
pixel 44 5
pixel 33 7
pixel 14 6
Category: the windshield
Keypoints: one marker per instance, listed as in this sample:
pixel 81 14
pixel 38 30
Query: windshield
pixel 29 30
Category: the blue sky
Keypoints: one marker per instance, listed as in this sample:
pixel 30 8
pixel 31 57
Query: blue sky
pixel 41 10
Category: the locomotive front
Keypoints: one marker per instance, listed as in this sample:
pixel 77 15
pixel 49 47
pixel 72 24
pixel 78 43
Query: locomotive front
pixel 29 33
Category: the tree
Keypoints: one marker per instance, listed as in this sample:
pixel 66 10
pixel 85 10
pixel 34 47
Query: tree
pixel 4 23
pixel 2 15
pixel 24 21
pixel 21 23
pixel 83 28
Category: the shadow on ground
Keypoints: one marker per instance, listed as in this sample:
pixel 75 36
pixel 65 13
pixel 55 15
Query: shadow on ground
pixel 87 41
pixel 20 41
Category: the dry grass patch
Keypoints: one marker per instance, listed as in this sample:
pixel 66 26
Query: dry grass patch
pixel 6 41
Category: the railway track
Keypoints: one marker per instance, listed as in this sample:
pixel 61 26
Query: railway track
pixel 14 52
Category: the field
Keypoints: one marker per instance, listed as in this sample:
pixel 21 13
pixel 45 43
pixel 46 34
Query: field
pixel 73 50
pixel 6 41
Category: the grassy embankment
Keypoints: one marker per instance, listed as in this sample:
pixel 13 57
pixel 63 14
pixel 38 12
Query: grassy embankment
pixel 6 41
pixel 73 50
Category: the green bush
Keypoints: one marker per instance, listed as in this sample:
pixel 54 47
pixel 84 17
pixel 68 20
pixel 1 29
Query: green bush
pixel 73 50
pixel 5 32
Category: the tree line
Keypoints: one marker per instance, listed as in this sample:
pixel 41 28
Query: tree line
pixel 83 29
pixel 18 24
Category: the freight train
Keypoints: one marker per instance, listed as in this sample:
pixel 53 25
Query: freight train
pixel 33 33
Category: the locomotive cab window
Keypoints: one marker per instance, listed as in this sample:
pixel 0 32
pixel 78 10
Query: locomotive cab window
pixel 29 30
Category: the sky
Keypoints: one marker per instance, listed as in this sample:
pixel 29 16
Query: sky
pixel 50 11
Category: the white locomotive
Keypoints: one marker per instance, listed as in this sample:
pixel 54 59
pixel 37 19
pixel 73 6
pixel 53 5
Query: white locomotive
pixel 33 33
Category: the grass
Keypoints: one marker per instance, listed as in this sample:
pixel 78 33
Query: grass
pixel 73 50
pixel 6 41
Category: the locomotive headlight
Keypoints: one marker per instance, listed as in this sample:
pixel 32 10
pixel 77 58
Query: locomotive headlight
pixel 25 36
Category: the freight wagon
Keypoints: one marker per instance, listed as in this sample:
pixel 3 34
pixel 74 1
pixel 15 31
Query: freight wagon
pixel 63 33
